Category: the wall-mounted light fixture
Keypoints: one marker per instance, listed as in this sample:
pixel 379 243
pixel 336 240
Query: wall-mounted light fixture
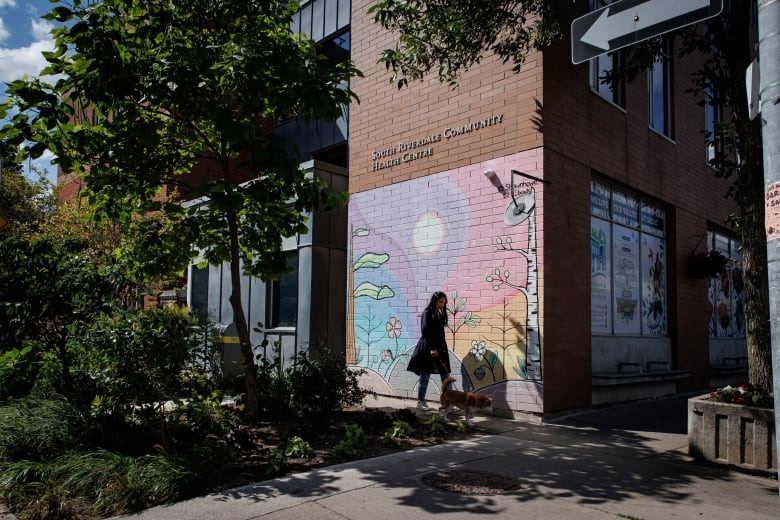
pixel 495 181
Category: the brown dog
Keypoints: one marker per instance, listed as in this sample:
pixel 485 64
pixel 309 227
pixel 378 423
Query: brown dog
pixel 469 402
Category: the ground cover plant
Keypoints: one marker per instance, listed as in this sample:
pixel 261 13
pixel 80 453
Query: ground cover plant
pixel 63 459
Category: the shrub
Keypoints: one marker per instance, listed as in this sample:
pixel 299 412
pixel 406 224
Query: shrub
pixel 18 369
pixel 321 382
pixel 274 382
pixel 314 383
pixel 295 447
pixel 437 425
pixel 399 430
pixel 354 439
pixel 298 448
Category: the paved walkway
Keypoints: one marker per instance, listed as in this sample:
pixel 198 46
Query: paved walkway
pixel 620 462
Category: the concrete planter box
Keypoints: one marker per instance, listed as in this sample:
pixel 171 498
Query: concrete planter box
pixel 732 434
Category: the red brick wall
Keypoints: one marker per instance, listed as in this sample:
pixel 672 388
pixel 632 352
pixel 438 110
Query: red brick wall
pixel 387 116
pixel 581 133
pixel 585 133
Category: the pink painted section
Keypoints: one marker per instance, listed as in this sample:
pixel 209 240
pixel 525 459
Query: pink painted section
pixel 453 232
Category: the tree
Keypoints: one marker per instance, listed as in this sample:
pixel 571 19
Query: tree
pixel 149 89
pixel 453 36
pixel 24 203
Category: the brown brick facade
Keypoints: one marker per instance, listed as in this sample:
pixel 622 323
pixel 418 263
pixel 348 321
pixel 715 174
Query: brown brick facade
pixel 547 106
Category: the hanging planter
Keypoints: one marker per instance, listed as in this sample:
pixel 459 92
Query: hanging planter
pixel 709 264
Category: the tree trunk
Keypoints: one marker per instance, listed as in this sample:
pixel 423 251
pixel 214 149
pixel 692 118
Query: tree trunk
pixel 252 405
pixel 758 330
pixel 749 196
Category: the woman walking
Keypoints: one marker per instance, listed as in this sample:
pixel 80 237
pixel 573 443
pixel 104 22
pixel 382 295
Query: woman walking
pixel 431 354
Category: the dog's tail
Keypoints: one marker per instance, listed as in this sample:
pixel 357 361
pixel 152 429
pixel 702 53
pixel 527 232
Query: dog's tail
pixel 447 382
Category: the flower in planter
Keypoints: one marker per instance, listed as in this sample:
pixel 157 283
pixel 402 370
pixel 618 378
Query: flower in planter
pixel 743 393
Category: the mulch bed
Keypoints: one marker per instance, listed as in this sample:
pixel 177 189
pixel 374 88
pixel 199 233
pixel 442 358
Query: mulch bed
pixel 323 433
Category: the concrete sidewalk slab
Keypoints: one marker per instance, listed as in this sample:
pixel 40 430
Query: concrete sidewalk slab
pixel 627 462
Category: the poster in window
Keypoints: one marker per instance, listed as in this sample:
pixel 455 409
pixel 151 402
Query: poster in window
pixel 727 303
pixel 652 220
pixel 600 287
pixel 625 280
pixel 599 199
pixel 625 209
pixel 653 286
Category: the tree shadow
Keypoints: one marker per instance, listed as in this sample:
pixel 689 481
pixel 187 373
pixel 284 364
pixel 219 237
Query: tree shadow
pixel 607 458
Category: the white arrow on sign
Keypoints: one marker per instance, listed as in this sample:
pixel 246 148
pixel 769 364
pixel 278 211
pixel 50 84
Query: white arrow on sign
pixel 643 16
pixel 626 22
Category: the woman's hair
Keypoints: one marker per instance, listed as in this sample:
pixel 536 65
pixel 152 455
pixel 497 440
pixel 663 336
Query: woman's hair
pixel 434 298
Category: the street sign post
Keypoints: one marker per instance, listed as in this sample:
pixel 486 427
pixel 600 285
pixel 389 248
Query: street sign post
pixel 626 22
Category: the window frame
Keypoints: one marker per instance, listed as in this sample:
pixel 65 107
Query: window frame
pixel 661 67
pixel 644 231
pixel 284 288
pixel 713 117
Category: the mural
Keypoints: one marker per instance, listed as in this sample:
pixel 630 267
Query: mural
pixel 451 231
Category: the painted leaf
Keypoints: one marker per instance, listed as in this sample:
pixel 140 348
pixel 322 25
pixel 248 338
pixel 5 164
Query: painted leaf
pixel 372 260
pixel 520 369
pixel 493 359
pixel 373 291
pixel 461 304
pixel 470 319
pixel 360 232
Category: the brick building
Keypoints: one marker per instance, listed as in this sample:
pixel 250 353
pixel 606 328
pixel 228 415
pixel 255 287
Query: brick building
pixel 570 286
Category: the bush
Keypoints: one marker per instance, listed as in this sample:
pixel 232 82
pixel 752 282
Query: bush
pixel 321 382
pixel 314 383
pixel 18 369
pixel 399 430
pixel 354 439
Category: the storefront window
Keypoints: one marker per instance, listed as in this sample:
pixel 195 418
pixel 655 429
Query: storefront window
pixel 628 264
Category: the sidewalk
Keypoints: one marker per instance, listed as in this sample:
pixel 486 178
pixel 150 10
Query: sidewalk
pixel 625 462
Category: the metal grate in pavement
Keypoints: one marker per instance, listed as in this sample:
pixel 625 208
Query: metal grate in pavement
pixel 469 482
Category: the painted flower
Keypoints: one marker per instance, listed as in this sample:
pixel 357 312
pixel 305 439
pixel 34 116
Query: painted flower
pixel 394 328
pixel 387 355
pixel 477 349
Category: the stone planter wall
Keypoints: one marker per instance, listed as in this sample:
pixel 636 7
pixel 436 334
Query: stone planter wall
pixel 737 435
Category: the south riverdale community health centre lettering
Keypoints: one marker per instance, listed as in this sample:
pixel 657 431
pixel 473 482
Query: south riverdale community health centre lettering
pixel 412 150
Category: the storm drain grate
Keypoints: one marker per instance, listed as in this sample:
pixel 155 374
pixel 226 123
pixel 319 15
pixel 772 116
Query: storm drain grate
pixel 469 482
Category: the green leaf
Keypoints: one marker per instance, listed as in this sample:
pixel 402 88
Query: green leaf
pixel 493 359
pixel 372 260
pixel 372 291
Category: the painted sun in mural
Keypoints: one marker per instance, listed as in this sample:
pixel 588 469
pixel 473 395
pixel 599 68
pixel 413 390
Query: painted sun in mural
pixel 428 234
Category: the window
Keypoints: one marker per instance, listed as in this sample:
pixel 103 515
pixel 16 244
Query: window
pixel 282 301
pixel 600 65
pixel 659 89
pixel 726 293
pixel 713 117
pixel 199 291
pixel 628 263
